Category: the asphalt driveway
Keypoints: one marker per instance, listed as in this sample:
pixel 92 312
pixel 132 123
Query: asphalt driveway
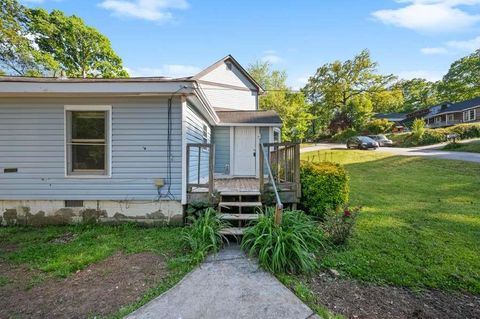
pixel 425 151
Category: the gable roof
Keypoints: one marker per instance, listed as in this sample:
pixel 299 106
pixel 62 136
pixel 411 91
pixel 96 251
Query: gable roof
pixel 237 65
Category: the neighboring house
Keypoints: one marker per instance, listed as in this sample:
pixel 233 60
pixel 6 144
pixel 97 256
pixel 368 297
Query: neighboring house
pixel 456 113
pixel 396 118
pixel 126 148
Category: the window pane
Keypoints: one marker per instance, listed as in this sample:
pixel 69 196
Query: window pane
pixel 88 125
pixel 89 157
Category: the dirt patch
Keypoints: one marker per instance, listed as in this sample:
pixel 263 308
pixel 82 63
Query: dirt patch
pixel 64 239
pixel 100 289
pixel 358 300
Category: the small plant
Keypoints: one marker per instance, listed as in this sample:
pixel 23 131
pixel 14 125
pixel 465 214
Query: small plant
pixel 203 235
pixel 338 225
pixel 418 128
pixel 291 247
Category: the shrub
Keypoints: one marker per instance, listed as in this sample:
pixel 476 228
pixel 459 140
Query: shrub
pixel 466 130
pixel 433 136
pixel 418 128
pixel 203 235
pixel 343 136
pixel 379 126
pixel 290 247
pixel 324 186
pixel 338 225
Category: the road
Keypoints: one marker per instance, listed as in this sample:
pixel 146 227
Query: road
pixel 425 151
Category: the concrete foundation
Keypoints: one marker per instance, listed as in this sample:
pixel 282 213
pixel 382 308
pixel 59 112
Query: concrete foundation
pixel 54 212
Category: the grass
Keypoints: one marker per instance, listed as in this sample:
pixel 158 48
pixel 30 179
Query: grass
pixel 419 226
pixel 472 147
pixel 94 243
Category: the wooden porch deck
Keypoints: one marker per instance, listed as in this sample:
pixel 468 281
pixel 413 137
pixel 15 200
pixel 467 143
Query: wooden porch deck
pixel 237 185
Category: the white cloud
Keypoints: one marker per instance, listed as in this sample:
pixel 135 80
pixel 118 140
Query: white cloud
pixel 271 58
pixel 455 47
pixel 436 50
pixel 298 83
pixel 430 15
pixel 168 70
pixel 468 45
pixel 421 74
pixel 151 10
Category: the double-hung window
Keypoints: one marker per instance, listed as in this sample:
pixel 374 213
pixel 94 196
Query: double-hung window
pixel 88 140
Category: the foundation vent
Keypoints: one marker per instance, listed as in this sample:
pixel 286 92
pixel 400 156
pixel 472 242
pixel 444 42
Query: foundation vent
pixel 73 203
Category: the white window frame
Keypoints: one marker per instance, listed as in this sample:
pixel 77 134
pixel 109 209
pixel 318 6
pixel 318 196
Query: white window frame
pixel 438 119
pixel 450 118
pixel 467 117
pixel 105 108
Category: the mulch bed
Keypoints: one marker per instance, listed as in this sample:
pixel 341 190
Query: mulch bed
pixel 358 300
pixel 100 289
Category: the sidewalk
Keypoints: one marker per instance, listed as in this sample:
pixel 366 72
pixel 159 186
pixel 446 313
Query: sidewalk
pixel 228 285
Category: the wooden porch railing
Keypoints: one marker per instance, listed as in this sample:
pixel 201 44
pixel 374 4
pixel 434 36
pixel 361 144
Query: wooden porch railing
pixel 200 158
pixel 282 162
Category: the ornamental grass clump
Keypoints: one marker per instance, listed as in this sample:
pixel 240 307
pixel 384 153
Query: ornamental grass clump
pixel 203 235
pixel 290 247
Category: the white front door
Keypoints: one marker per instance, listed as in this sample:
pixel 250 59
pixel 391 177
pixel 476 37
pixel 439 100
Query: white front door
pixel 245 149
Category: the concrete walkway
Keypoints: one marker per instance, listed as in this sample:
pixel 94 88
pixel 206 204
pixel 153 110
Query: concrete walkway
pixel 425 151
pixel 228 285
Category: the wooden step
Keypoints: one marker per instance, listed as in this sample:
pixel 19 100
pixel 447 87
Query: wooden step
pixel 232 231
pixel 240 204
pixel 232 193
pixel 238 216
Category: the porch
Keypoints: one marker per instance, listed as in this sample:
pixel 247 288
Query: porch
pixel 278 171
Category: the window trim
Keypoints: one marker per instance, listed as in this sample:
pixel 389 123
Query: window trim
pixel 467 113
pixel 105 108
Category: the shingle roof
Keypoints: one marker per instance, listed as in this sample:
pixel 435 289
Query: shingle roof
pixel 249 117
pixel 88 80
pixel 394 116
pixel 457 107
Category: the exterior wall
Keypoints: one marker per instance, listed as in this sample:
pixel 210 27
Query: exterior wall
pixel 44 212
pixel 230 98
pixel 229 88
pixel 221 138
pixel 32 140
pixel 194 134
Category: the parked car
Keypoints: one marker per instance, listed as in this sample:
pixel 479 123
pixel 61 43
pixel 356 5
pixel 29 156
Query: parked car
pixel 362 143
pixel 382 140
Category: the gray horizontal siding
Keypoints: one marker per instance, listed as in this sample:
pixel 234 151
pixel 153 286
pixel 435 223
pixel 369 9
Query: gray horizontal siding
pixel 32 140
pixel 221 138
pixel 194 134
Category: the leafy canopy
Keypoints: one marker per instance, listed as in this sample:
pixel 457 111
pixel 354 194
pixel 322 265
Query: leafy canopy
pixel 19 54
pixel 462 82
pixel 291 106
pixel 80 50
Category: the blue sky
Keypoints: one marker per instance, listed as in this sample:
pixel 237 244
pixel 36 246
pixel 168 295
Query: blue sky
pixel 411 38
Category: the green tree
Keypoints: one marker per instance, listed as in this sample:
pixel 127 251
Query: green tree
pixel 417 94
pixel 462 82
pixel 290 106
pixel 80 50
pixel 337 86
pixel 19 54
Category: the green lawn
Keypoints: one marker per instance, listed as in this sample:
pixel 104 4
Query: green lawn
pixel 472 147
pixel 420 222
pixel 93 243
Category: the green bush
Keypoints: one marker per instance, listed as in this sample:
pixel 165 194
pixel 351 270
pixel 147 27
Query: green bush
pixel 343 136
pixel 338 225
pixel 379 126
pixel 291 247
pixel 418 128
pixel 465 131
pixel 203 235
pixel 324 186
